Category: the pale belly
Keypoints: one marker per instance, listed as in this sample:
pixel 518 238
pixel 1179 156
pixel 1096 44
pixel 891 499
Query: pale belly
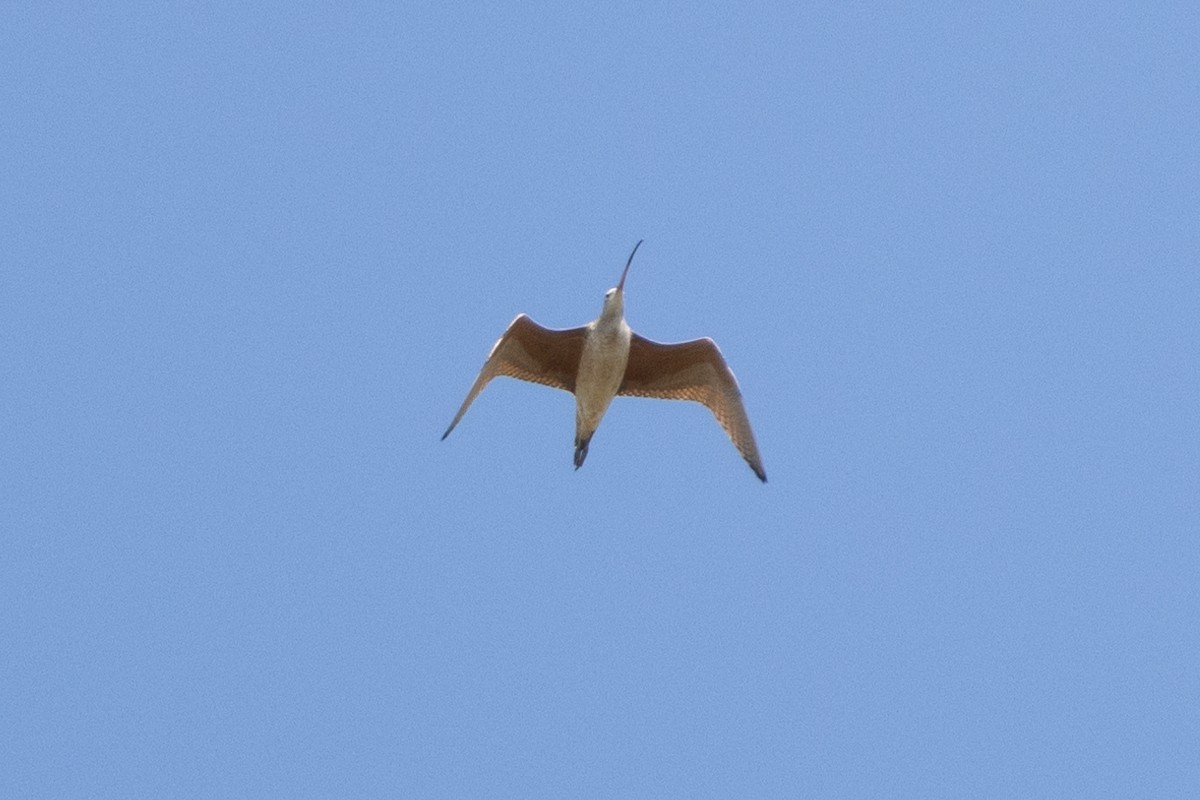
pixel 601 370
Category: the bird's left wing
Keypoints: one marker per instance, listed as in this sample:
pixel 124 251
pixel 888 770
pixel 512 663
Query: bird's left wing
pixel 696 371
pixel 529 352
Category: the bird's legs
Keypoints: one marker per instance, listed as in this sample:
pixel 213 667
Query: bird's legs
pixel 581 448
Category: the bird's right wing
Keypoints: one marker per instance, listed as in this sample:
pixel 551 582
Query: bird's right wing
pixel 529 352
pixel 695 371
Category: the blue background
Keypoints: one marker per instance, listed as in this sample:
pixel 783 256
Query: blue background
pixel 253 258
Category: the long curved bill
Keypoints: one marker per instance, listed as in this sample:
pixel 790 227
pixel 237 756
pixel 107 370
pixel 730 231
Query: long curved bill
pixel 621 283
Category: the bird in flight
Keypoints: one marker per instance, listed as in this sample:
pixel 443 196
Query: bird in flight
pixel 605 358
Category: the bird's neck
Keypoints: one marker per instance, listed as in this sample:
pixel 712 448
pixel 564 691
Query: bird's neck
pixel 612 314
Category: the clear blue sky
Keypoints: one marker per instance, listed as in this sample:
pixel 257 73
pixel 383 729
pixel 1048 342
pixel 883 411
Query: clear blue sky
pixel 254 257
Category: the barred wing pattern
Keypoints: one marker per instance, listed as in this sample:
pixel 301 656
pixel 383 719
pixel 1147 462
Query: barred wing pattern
pixel 529 352
pixel 694 371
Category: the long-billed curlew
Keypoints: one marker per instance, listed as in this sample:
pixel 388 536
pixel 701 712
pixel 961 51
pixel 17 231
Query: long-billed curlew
pixel 605 358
